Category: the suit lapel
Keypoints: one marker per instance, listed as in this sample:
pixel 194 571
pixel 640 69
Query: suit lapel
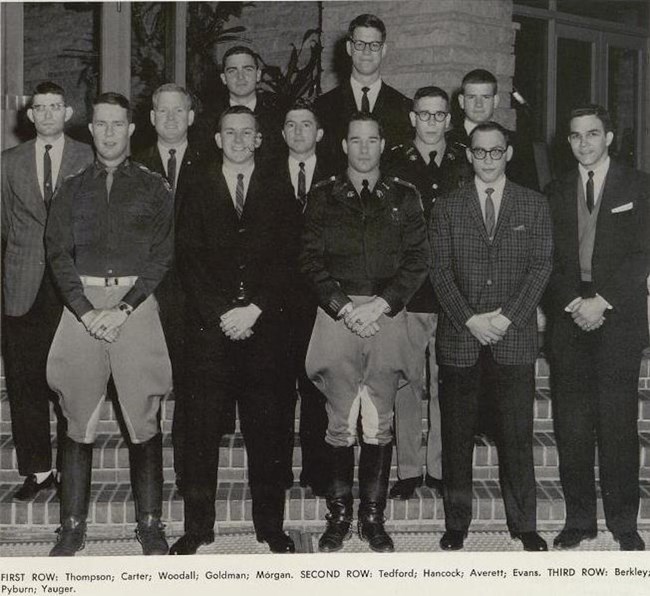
pixel 381 98
pixel 184 174
pixel 505 209
pixel 347 96
pixel 613 187
pixel 474 207
pixel 33 192
pixel 223 194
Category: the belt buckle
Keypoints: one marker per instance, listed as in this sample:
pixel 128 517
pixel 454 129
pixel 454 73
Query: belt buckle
pixel 110 281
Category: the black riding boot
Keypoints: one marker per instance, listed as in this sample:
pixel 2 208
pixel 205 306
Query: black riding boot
pixel 374 469
pixel 146 482
pixel 268 517
pixel 77 461
pixel 339 499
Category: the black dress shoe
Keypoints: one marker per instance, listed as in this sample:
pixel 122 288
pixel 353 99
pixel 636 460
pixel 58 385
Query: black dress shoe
pixel 452 540
pixel 434 484
pixel 572 537
pixel 150 533
pixel 189 543
pixel 404 489
pixel 630 541
pixel 71 539
pixel 278 542
pixel 532 541
pixel 31 487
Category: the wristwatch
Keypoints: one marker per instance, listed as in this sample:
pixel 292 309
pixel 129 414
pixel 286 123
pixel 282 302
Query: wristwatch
pixel 124 307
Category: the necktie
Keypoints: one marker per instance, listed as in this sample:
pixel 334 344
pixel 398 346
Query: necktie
pixel 47 175
pixel 365 102
pixel 171 169
pixel 239 195
pixel 433 166
pixel 490 219
pixel 109 181
pixel 365 194
pixel 590 191
pixel 302 183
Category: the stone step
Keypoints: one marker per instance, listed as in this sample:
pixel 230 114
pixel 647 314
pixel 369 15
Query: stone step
pixel 111 505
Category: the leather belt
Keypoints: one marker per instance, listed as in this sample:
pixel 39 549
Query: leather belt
pixel 109 282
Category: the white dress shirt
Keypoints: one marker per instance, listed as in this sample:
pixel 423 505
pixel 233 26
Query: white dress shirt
pixel 600 173
pixel 56 155
pixel 163 150
pixel 372 93
pixel 294 169
pixel 497 195
pixel 230 174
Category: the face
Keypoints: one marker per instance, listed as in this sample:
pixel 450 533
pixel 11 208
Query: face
pixel 478 102
pixel 589 141
pixel 363 146
pixel 366 62
pixel 111 130
pixel 301 132
pixel 489 170
pixel 238 138
pixel 241 75
pixel 430 132
pixel 49 114
pixel 171 117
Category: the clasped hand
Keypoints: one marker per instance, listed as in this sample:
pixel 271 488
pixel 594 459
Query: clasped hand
pixel 488 327
pixel 362 319
pixel 588 313
pixel 237 323
pixel 104 323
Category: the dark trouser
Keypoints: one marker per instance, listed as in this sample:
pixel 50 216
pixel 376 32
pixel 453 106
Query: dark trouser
pixel 595 398
pixel 514 392
pixel 171 300
pixel 313 416
pixel 221 372
pixel 26 343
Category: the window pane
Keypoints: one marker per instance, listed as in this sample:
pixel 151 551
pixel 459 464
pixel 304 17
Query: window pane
pixel 621 11
pixel 622 88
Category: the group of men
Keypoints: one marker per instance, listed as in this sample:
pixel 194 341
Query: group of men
pixel 379 247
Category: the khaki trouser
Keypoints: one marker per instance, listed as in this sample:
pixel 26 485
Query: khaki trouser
pixel 79 366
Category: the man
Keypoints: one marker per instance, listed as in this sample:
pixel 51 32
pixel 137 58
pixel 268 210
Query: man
pixel 478 100
pixel 597 303
pixel 435 169
pixel 241 73
pixel 492 244
pixel 109 241
pixel 303 168
pixel 31 173
pixel 365 91
pixel 236 240
pixel 179 162
pixel 365 251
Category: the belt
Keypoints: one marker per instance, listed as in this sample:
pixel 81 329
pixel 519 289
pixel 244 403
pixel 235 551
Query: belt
pixel 109 282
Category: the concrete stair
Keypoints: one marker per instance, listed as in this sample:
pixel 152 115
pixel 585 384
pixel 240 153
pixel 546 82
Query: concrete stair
pixel 112 512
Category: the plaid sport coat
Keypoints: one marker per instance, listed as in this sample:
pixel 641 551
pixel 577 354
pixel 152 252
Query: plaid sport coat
pixel 472 275
pixel 23 220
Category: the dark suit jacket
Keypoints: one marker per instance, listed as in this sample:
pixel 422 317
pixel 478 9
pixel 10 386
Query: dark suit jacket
pixel 336 106
pixel 472 275
pixel 621 257
pixel 23 219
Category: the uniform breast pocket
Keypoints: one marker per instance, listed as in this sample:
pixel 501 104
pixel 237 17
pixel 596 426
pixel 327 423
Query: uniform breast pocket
pixel 84 225
pixel 135 222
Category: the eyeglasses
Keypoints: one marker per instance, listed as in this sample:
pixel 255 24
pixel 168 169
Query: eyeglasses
pixel 53 107
pixel 426 116
pixel 360 46
pixel 495 153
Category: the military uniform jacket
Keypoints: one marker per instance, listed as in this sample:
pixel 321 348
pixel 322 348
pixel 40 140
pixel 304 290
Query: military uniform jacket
pixel 472 275
pixel 378 249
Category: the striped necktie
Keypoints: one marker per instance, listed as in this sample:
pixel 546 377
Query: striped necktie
pixel 239 195
pixel 47 176
pixel 490 216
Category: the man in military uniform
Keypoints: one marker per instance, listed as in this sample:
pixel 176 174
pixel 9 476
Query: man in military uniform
pixel 435 168
pixel 109 243
pixel 365 251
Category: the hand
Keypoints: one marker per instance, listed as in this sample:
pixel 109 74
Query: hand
pixel 589 313
pixel 368 331
pixel 481 327
pixel 573 305
pixel 238 321
pixel 107 324
pixel 363 315
pixel 501 322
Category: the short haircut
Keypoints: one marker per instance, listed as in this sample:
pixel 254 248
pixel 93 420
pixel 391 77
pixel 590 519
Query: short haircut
pixel 48 87
pixel 172 88
pixel 237 109
pixel 304 104
pixel 367 20
pixel 239 50
pixel 592 109
pixel 364 117
pixel 431 92
pixel 114 99
pixel 479 76
pixel 490 126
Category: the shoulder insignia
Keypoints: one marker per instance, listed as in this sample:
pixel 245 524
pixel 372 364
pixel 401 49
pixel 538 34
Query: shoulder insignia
pixel 155 175
pixel 324 182
pixel 397 147
pixel 77 173
pixel 411 187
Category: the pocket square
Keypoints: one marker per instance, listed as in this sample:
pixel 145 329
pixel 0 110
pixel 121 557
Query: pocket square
pixel 521 228
pixel 621 208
